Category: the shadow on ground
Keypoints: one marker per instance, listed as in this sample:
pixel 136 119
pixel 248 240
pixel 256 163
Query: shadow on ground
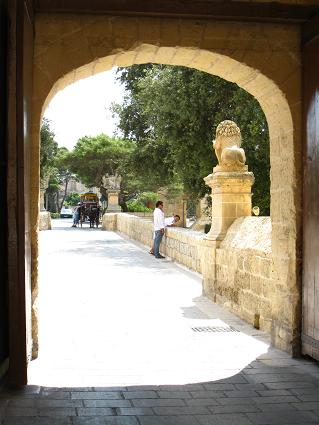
pixel 272 390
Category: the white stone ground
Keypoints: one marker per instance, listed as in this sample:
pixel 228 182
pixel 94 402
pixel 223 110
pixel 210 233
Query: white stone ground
pixel 111 314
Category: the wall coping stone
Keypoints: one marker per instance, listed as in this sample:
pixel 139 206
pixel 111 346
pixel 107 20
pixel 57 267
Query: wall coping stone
pixel 249 233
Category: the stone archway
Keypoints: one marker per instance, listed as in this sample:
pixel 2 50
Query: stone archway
pixel 262 59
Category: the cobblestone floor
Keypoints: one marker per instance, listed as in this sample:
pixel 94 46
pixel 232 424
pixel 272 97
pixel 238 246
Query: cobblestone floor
pixel 117 347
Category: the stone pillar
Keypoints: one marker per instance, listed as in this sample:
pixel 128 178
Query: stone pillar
pixel 44 216
pixel 202 215
pixel 43 186
pixel 113 201
pixel 230 181
pixel 231 199
pixel 42 207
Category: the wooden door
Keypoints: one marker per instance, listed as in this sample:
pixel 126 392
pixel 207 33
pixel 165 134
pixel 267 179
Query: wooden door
pixel 310 325
pixel 4 342
pixel 19 82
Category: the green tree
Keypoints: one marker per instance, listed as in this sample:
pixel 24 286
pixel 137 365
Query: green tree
pixel 60 177
pixel 171 115
pixel 52 192
pixel 63 172
pixel 48 171
pixel 72 199
pixel 48 149
pixel 94 157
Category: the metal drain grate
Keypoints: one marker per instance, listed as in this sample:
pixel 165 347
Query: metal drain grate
pixel 215 329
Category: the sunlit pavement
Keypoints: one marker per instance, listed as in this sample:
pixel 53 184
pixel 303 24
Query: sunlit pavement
pixel 118 323
pixel 111 314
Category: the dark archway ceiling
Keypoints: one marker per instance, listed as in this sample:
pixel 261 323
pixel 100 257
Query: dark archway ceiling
pixel 286 12
pixel 223 9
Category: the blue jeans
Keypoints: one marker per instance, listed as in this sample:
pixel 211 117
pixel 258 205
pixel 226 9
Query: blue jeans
pixel 157 241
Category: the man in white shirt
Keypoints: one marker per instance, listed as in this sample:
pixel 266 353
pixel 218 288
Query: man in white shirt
pixel 159 228
pixel 169 222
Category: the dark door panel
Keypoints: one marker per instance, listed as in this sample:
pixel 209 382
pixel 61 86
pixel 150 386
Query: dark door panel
pixel 310 325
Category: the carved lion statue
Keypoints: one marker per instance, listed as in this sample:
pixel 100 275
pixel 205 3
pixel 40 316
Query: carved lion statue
pixel 227 147
pixel 112 182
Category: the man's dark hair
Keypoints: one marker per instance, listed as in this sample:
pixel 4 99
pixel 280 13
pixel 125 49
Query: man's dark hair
pixel 158 203
pixel 176 215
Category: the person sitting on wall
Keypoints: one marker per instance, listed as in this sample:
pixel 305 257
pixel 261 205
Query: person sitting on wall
pixel 169 222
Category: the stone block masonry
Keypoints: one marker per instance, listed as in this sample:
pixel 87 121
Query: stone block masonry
pixel 245 279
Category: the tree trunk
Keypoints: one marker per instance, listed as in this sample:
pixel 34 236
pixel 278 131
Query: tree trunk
pixel 57 201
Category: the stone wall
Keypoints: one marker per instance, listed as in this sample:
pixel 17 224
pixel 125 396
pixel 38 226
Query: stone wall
pixel 141 214
pixel 45 220
pixel 245 278
pixel 238 273
pixel 203 215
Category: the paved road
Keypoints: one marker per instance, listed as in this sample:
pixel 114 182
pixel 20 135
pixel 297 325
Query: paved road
pixel 118 346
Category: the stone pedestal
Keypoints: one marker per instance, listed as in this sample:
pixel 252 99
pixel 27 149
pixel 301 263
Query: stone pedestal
pixel 44 216
pixel 113 201
pixel 44 183
pixel 231 199
pixel 42 207
pixel 202 215
pixel 45 220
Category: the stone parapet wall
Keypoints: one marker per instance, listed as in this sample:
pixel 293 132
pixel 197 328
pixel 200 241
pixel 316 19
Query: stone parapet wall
pixel 141 214
pixel 179 244
pixel 245 277
pixel 238 273
pixel 109 221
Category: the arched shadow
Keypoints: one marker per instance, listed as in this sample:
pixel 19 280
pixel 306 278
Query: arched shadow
pixel 272 389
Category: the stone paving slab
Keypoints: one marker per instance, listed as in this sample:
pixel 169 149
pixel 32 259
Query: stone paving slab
pixel 127 420
pixel 288 417
pixel 181 379
pixel 164 404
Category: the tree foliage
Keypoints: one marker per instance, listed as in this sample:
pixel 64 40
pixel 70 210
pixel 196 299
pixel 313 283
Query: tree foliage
pixel 94 157
pixel 72 198
pixel 54 166
pixel 48 149
pixel 171 115
pixel 60 177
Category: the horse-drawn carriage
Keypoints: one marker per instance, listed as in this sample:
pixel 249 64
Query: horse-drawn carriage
pixel 89 209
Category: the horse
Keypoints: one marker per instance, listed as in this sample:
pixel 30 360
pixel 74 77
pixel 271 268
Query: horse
pixel 94 216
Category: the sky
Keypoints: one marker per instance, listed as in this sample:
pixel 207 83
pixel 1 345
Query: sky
pixel 82 109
